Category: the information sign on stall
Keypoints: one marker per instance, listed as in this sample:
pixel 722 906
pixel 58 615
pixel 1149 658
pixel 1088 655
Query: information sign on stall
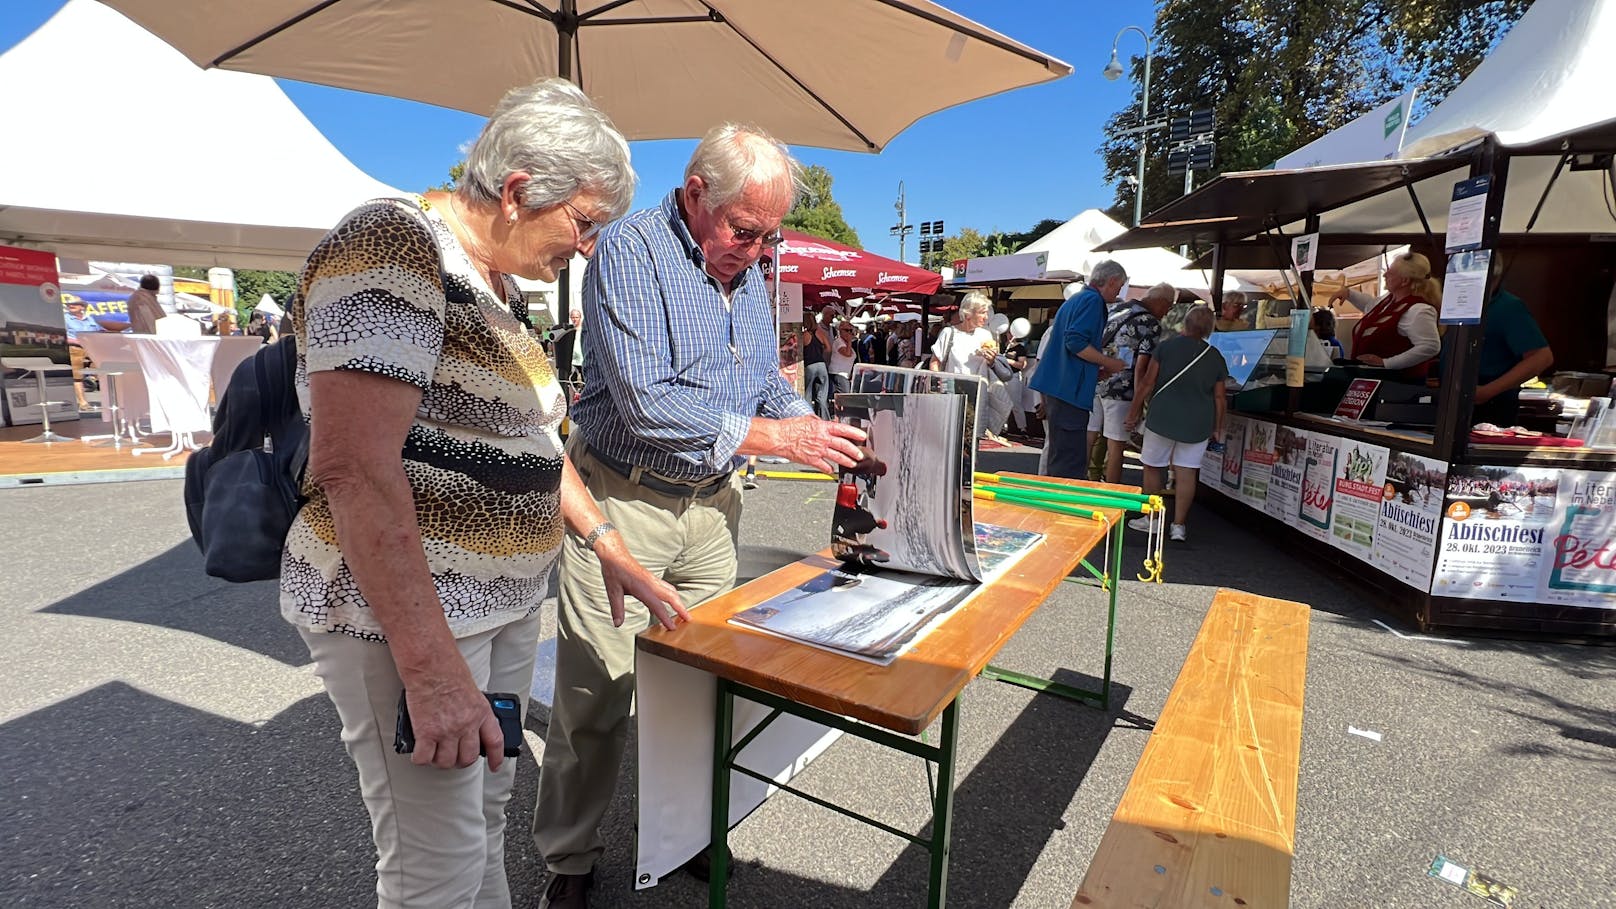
pixel 1318 486
pixel 1467 215
pixel 1257 470
pixel 1305 252
pixel 1284 499
pixel 1410 514
pixel 1356 400
pixel 1465 287
pixel 1495 524
pixel 1234 447
pixel 1360 486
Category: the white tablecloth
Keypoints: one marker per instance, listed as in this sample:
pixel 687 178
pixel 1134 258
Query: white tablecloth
pixel 178 374
pixel 111 350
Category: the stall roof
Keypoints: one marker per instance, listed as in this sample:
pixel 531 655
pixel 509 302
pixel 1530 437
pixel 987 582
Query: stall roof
pixel 1238 205
pixel 1256 254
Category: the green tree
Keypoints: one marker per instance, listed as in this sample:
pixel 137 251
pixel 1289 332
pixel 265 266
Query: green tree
pixel 1280 73
pixel 251 285
pixel 967 243
pixel 818 213
pixel 455 175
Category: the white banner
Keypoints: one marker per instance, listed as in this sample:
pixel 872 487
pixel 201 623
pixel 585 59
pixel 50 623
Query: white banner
pixel 1405 534
pixel 1257 463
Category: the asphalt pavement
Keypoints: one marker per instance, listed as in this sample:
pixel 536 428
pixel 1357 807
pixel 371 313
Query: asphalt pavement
pixel 165 743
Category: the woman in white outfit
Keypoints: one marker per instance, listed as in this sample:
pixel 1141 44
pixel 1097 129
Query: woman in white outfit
pixel 967 348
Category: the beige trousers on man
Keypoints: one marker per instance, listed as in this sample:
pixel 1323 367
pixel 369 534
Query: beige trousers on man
pixel 440 834
pixel 690 543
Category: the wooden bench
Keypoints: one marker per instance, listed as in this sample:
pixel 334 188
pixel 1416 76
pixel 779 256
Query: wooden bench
pixel 1209 818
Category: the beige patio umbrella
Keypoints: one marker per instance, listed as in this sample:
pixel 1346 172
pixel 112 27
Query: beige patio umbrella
pixel 843 74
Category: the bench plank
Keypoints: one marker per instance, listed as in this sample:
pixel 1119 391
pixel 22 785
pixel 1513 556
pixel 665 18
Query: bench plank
pixel 1209 818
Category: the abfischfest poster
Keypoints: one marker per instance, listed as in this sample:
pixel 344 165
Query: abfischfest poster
pixel 1410 515
pixel 1495 527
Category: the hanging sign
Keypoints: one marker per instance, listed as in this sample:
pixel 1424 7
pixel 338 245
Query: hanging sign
pixel 1467 215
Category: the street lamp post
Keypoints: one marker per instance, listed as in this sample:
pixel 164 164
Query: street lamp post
pixel 1112 71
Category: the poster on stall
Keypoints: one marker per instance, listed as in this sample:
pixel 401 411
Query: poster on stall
pixel 1318 486
pixel 1285 475
pixel 33 331
pixel 1581 568
pixel 1234 447
pixel 1212 464
pixel 1495 521
pixel 1360 486
pixel 1410 512
pixel 1257 471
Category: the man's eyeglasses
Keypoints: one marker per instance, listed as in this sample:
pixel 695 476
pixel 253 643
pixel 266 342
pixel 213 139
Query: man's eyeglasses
pixel 587 226
pixel 747 236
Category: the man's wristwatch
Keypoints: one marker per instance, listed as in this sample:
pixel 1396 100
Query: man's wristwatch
pixel 601 529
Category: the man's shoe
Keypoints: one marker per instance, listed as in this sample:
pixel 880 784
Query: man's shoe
pixel 1178 533
pixel 748 481
pixel 567 891
pixel 701 867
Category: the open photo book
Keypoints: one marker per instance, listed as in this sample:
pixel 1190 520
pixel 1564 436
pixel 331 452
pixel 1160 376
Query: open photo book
pixel 903 526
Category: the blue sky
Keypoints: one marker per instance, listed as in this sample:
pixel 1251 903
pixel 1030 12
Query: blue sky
pixel 1001 163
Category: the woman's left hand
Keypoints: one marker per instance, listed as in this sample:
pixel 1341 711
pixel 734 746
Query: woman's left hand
pixel 1371 360
pixel 624 575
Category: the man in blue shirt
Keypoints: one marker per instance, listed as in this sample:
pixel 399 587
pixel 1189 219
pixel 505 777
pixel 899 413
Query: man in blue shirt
pixel 681 381
pixel 1070 368
pixel 1513 351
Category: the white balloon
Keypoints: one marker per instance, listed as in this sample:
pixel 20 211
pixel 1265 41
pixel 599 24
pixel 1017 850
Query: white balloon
pixel 998 322
pixel 1020 328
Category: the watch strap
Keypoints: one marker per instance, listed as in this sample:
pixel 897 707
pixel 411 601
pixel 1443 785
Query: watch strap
pixel 600 530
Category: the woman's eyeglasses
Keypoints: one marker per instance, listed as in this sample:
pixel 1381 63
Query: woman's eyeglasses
pixel 587 226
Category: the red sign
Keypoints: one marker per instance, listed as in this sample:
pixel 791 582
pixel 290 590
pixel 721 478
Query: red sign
pixel 27 266
pixel 1356 400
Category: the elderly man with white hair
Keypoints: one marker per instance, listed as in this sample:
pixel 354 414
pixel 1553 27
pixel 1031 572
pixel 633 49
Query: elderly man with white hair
pixel 1131 334
pixel 681 383
pixel 1070 368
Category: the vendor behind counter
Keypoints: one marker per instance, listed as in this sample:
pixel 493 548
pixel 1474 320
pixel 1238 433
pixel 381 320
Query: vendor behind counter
pixel 1513 351
pixel 1399 331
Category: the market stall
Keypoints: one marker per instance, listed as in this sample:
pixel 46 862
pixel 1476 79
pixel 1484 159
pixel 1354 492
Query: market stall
pixel 1506 187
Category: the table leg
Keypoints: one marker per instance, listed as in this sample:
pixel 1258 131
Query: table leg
pixel 942 822
pixel 723 723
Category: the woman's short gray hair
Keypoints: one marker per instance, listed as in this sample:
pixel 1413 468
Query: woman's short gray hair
pixel 975 303
pixel 1199 321
pixel 552 132
pixel 734 155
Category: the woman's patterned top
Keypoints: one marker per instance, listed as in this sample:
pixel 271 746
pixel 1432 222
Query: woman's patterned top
pixel 390 291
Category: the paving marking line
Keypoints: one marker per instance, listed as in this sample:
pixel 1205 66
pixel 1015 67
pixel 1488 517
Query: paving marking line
pixel 1416 637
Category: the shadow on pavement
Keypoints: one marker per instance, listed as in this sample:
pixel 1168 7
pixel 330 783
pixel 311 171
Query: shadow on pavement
pixel 171 591
pixel 194 810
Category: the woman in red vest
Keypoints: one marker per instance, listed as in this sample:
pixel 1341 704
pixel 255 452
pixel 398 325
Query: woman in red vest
pixel 1400 331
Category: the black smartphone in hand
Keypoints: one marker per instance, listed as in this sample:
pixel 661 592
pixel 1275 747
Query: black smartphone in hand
pixel 507 709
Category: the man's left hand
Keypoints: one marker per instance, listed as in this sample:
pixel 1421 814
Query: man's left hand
pixel 624 575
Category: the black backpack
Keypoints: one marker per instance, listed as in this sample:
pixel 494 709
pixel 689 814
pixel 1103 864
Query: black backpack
pixel 241 494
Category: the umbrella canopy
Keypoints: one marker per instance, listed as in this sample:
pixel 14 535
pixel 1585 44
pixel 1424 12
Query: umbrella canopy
pixel 818 74
pixel 830 270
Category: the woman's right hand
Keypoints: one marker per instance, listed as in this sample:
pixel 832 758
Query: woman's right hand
pixel 452 721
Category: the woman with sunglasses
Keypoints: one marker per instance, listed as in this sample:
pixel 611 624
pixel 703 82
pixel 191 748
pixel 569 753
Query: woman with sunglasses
pixel 842 358
pixel 438 493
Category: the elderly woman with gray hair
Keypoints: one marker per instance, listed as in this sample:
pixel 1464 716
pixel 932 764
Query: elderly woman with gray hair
pixel 968 348
pixel 1183 383
pixel 437 489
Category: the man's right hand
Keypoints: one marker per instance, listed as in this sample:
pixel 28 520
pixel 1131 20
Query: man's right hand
pixel 452 723
pixel 823 444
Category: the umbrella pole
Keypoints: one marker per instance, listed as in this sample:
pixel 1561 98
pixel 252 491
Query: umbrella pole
pixel 566 23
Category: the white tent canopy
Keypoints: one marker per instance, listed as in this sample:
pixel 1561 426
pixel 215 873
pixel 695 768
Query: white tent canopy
pixel 1551 77
pixel 1071 249
pixel 213 200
